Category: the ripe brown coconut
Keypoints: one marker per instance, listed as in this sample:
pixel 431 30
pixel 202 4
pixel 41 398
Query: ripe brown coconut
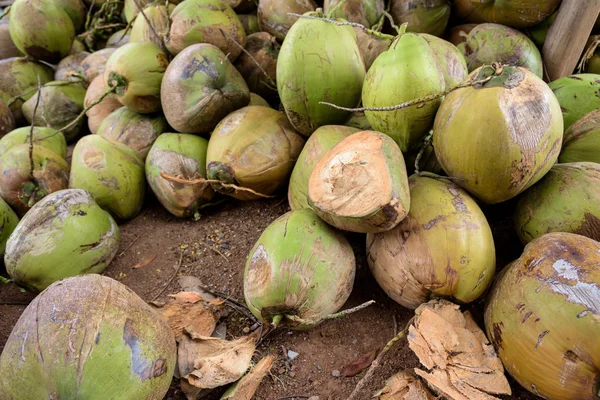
pixel 264 49
pixel 364 12
pixel 371 46
pixel 7 121
pixel 93 65
pixel 422 16
pixel 514 13
pixel 7 47
pixel 274 18
pixel 69 66
pixel 103 109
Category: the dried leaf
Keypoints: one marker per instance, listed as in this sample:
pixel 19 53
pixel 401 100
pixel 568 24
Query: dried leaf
pixel 404 386
pixel 187 310
pixel 360 364
pixel 461 361
pixel 208 362
pixel 145 262
pixel 192 392
pixel 245 388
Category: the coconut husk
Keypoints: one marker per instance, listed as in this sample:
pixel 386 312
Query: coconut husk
pixel 404 386
pixel 245 388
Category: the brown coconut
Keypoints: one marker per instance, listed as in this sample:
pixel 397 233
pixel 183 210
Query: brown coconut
pixel 101 110
pixel 264 49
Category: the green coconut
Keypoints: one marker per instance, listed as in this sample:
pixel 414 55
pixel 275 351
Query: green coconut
pixel 256 100
pixel 60 104
pixel 319 61
pixel 299 271
pixel 44 137
pixel 136 71
pixel 7 121
pixel 7 47
pixel 136 131
pixel 539 32
pixel 364 12
pixel 77 47
pixel 112 173
pixel 509 144
pixel 19 82
pixel 118 39
pixel 97 113
pixel 581 141
pixel 443 248
pixel 315 148
pixel 274 15
pixel 577 95
pixel 452 62
pixel 360 184
pixel 94 64
pixel 102 338
pixel 371 45
pixel 179 156
pixel 409 70
pixel 489 43
pixel 158 16
pixel 69 66
pixel 131 8
pixel 8 222
pixel 422 16
pixel 359 120
pixel 200 88
pixel 254 148
pixel 19 187
pixel 260 57
pixel 250 23
pixel 65 234
pixel 216 24
pixel 76 11
pixel 542 317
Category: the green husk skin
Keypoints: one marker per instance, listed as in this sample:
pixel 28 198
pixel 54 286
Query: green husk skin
pixel 136 71
pixel 488 43
pixel 8 222
pixel 501 155
pixel 566 199
pixel 364 12
pixel 19 77
pixel 255 148
pixel 118 39
pixel 200 88
pixel 451 60
pixel 66 234
pixel 422 16
pixel 514 13
pixel 262 48
pixel 300 267
pixel 41 29
pixel 44 137
pixel 443 248
pixel 201 21
pixel 136 131
pixel 18 189
pixel 311 69
pixel 57 108
pixel 77 47
pixel 76 11
pixel 408 70
pixel 69 66
pixel 274 18
pixel 250 23
pixel 157 15
pixel 85 323
pixel 7 121
pixel 578 95
pixel 131 10
pixel 316 146
pixel 256 100
pixel 538 32
pixel 582 140
pixel 183 156
pixel 112 173
pixel 95 64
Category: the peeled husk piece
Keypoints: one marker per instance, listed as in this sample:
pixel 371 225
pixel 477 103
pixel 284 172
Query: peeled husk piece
pixel 7 121
pixel 256 100
pixel 458 34
pixel 69 66
pixel 443 248
pixel 255 148
pixel 422 16
pixel 179 156
pixel 7 47
pixel 364 12
pixel 542 317
pixel 245 388
pixel 112 173
pixel 452 63
pixel 360 184
pixel 94 64
pixel 404 386
pixel 274 18
pixel 264 49
pixel 118 39
pixel 100 111
pixel 515 13
pixel 44 137
pixel 371 46
pixel 65 234
pixel 59 105
pixel 84 324
pixel 136 131
pixel 577 95
pixel 489 43
pixel 8 222
pixel 250 23
pixel 299 271
pixel 200 88
pixel 497 157
pixel 581 141
pixel 157 14
pixel 319 143
pixel 204 21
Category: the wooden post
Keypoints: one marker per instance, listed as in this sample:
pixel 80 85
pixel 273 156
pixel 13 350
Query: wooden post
pixel 568 35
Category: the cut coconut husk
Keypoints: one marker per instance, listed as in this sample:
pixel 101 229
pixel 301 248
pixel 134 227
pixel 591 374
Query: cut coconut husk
pixel 458 34
pixel 249 22
pixel 422 16
pixel 259 65
pixel 359 120
pixel 515 13
pixel 319 143
pixel 364 12
pixel 108 339
pixel 274 15
pixel 582 140
pixel 41 29
pixel 100 111
pixel 200 88
pixel 44 137
pixel 208 362
pixel 157 28
pixel 299 272
pixel 7 47
pixel 112 173
pixel 371 46
pixel 181 156
pixel 21 189
pixel 8 222
pixel 451 60
pixel 59 105
pixel 63 235
pixel 68 67
pixel 360 184
pixel 136 131
pixel 461 363
pixel 135 71
pixel 7 121
pixel 566 199
pixel 245 388
pixel 443 248
pixel 216 24
pixel 577 96
pixel 542 317
pixel 404 386
pixel 94 64
pixel 498 157
pixel 256 100
pixel 489 43
pixel 118 39
pixel 254 148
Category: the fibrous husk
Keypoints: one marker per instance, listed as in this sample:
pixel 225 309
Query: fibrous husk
pixel 158 16
pixel 581 141
pixel 94 64
pixel 422 16
pixel 274 18
pixel 69 66
pixel 263 49
pixel 8 222
pixel 460 361
pixel 44 137
pixel 245 388
pixel 458 34
pixel 7 47
pixel 7 121
pixel 364 12
pixel 371 46
pixel 404 386
pixel 577 96
pixel 100 111
pixel 249 22
pixel 518 14
pixel 118 39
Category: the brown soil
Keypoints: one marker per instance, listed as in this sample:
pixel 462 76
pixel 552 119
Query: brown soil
pixel 232 230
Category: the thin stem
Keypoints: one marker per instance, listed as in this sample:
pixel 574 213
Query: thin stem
pixel 99 28
pixel 5 13
pixel 345 23
pixel 330 316
pixel 25 93
pixel 398 30
pixel 426 142
pixel 88 108
pixel 216 181
pixel 332 11
pixel 37 103
pixel 160 39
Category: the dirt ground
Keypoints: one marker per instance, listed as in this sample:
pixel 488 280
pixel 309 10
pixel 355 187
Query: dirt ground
pixel 215 249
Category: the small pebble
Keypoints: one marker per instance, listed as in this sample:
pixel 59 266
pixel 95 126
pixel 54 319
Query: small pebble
pixel 246 330
pixel 225 246
pixel 281 371
pixel 319 367
pixel 292 374
pixel 335 373
pixel 292 354
pixel 354 341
